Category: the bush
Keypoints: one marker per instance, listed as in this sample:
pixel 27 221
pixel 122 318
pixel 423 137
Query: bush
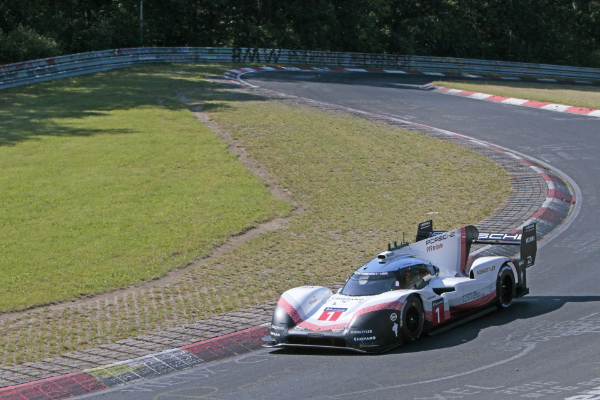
pixel 23 44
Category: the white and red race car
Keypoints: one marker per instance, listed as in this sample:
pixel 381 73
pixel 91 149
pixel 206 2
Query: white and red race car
pixel 409 290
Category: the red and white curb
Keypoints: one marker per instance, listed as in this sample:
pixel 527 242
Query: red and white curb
pixel 519 102
pixel 138 369
pixel 238 72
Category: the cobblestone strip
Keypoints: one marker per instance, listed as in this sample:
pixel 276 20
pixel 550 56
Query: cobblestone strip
pixel 125 359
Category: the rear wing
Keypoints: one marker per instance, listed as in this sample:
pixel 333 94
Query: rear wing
pixel 526 240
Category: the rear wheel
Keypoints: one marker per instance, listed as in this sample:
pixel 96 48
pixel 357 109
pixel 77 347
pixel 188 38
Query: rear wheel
pixel 505 287
pixel 413 319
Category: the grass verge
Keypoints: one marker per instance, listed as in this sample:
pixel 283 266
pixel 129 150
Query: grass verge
pixel 557 93
pixel 361 184
pixel 108 180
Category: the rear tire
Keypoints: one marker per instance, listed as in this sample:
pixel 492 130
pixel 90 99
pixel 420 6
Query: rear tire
pixel 505 287
pixel 413 319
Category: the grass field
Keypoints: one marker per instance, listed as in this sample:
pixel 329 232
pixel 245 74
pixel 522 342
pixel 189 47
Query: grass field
pixel 107 180
pixel 568 94
pixel 360 183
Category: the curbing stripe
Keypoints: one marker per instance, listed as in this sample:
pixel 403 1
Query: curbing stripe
pixel 55 388
pixel 146 367
pixel 515 102
pixel 228 345
pixel 520 102
pixel 138 369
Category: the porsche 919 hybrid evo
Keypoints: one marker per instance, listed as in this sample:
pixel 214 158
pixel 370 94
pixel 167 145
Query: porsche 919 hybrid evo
pixel 407 291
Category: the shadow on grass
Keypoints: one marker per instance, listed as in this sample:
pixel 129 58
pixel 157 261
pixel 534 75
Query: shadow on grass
pixel 31 112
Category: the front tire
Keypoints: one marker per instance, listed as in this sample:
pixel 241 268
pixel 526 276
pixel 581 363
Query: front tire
pixel 413 319
pixel 505 287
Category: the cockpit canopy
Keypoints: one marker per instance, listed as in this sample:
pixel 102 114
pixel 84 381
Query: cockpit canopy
pixel 400 274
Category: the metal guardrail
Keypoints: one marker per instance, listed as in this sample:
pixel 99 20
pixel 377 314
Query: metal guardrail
pixel 97 61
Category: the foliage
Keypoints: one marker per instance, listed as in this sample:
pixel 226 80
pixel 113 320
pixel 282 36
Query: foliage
pixel 26 44
pixel 548 31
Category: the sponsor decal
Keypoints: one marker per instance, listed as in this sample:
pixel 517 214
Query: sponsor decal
pixel 500 236
pixel 362 339
pixel 486 269
pixel 361 332
pixel 332 314
pixel 338 330
pixel 349 299
pixel 372 273
pixel 393 317
pixel 275 334
pixel 471 296
pixel 435 247
pixel 299 328
pixel 310 303
pixel 439 238
pixel 395 329
pixel 530 239
pixel 277 328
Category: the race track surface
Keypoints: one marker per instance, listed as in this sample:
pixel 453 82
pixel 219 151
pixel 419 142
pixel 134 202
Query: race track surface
pixel 546 346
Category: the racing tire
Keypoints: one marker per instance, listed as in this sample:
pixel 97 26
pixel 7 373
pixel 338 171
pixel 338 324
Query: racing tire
pixel 413 319
pixel 505 287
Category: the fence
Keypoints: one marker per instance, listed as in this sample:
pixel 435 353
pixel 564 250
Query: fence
pixel 85 63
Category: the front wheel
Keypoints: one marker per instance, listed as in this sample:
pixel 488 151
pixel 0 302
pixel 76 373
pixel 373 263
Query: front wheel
pixel 505 287
pixel 413 319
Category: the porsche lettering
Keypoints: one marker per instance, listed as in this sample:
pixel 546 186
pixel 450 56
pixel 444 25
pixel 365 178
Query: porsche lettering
pixel 439 238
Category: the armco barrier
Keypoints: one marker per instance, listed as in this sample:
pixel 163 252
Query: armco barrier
pixel 85 63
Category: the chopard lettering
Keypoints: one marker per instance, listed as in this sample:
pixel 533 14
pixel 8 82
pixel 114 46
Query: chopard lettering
pixel 362 339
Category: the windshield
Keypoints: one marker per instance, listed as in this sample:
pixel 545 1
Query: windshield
pixel 369 283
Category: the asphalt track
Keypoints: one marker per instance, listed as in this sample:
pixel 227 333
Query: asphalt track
pixel 547 345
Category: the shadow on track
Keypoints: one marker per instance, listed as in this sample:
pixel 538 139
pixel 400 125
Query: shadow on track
pixel 527 308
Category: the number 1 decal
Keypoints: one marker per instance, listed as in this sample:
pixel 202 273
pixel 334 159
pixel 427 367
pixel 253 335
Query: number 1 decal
pixel 331 314
pixel 437 311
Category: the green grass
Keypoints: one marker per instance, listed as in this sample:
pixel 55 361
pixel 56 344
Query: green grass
pixel 568 94
pixel 360 183
pixel 108 180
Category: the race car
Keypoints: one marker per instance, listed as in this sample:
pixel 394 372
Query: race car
pixel 407 291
